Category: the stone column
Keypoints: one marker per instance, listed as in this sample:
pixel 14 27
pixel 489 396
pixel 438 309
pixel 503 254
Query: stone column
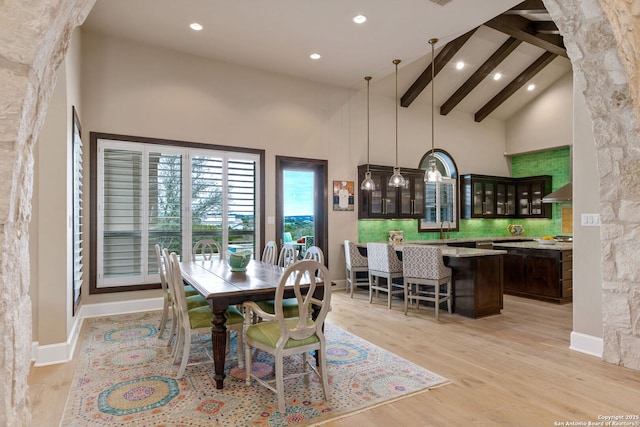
pixel 602 40
pixel 34 37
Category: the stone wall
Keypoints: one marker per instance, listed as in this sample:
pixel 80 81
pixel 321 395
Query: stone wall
pixel 34 36
pixel 602 40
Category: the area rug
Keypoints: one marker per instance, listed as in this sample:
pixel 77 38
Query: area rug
pixel 125 377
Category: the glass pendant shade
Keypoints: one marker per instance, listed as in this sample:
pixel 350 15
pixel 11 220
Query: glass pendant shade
pixel 432 174
pixel 396 180
pixel 368 183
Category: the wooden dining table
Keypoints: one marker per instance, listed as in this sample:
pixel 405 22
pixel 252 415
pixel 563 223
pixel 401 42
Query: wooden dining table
pixel 222 287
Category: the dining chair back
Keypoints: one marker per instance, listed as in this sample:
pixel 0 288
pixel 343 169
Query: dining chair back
pixel 288 255
pixel 314 253
pixel 168 307
pixel 197 320
pixel 270 253
pixel 384 264
pixel 205 249
pixel 281 336
pixel 355 263
pixel 426 277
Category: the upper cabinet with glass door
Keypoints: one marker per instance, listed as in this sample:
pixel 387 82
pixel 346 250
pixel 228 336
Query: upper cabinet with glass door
pixel 486 196
pixel 389 202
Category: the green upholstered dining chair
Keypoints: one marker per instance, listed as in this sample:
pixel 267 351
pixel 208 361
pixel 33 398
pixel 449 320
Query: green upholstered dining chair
pixel 205 249
pixel 270 253
pixel 197 320
pixel 281 336
pixel 194 299
pixel 288 256
pixel 314 253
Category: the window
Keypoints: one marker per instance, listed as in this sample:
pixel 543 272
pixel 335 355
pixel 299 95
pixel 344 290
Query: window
pixel 173 194
pixel 77 211
pixel 441 195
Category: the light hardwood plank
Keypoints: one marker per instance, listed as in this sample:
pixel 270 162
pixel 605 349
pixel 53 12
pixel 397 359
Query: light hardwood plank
pixel 515 368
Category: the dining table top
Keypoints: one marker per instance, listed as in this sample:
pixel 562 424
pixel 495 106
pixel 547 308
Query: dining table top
pixel 215 278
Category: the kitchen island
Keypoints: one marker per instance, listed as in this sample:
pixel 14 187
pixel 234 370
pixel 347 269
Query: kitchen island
pixel 539 270
pixel 477 279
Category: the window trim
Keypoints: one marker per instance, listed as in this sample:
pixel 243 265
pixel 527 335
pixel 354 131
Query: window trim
pixel 450 164
pixel 93 196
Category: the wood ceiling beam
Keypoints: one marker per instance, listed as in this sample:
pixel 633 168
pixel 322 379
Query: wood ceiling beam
pixel 521 28
pixel 545 27
pixel 528 7
pixel 481 73
pixel 440 61
pixel 515 84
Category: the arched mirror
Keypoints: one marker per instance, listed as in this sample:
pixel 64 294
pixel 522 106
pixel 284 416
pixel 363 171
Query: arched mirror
pixel 441 192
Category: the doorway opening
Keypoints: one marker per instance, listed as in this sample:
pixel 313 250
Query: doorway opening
pixel 301 203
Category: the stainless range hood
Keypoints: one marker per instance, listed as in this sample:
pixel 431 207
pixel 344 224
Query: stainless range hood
pixel 561 195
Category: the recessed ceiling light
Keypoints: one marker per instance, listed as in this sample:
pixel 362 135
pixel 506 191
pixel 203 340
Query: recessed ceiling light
pixel 497 76
pixel 531 87
pixel 459 65
pixel 195 26
pixel 359 19
pixel 315 56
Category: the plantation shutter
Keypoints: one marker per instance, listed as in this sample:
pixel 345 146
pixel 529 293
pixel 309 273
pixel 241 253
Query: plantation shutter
pixel 207 195
pixel 77 217
pixel 242 203
pixel 165 211
pixel 122 213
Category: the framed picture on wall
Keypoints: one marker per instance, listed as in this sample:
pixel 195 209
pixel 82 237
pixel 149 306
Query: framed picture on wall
pixel 343 195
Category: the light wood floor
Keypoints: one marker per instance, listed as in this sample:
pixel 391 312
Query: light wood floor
pixel 513 369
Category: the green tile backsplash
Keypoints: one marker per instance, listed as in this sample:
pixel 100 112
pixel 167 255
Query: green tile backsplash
pixel 554 162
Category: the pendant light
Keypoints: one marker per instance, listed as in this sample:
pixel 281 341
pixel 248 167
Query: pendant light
pixel 368 183
pixel 396 180
pixel 432 173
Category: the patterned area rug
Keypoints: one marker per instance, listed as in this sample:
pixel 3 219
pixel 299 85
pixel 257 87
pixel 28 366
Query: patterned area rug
pixel 125 377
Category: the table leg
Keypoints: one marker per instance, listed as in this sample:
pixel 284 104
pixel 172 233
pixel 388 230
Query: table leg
pixel 219 346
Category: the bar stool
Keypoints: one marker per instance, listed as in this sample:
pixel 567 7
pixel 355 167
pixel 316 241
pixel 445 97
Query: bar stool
pixel 384 263
pixel 355 263
pixel 425 274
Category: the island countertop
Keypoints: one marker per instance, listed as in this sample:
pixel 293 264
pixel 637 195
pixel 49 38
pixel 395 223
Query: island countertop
pixel 457 252
pixel 555 246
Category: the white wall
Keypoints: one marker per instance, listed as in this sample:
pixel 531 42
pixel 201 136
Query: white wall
pixel 544 123
pixel 587 272
pixel 134 89
pixel 559 117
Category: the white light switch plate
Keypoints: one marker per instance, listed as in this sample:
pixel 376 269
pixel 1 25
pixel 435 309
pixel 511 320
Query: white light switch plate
pixel 590 220
pixel 271 220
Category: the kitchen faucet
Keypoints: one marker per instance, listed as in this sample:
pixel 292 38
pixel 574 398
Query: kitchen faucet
pixel 442 234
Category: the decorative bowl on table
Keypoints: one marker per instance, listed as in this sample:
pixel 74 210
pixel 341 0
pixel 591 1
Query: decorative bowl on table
pixel 239 260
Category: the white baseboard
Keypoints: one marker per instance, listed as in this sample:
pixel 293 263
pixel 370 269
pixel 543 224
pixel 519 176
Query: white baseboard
pixel 339 284
pixel 63 352
pixel 586 344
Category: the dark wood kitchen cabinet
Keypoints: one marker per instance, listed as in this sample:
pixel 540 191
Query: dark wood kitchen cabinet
pixel 530 192
pixel 388 202
pixel 485 196
pixel 538 273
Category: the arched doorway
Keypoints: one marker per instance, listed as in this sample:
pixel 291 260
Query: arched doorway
pixel 27 74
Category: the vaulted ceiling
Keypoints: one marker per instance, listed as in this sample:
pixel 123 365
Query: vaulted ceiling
pixel 528 22
pixel 509 36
